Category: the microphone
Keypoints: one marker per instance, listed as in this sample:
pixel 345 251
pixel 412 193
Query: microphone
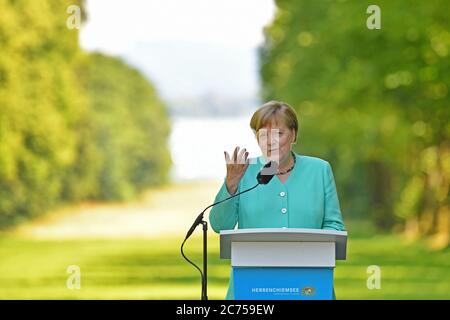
pixel 267 172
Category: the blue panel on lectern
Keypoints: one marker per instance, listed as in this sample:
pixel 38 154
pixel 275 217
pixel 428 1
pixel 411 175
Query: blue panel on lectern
pixel 270 283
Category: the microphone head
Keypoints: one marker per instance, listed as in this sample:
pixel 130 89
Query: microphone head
pixel 267 172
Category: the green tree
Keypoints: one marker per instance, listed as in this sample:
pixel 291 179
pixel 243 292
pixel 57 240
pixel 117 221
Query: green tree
pixel 40 105
pixel 373 102
pixel 73 126
pixel 132 128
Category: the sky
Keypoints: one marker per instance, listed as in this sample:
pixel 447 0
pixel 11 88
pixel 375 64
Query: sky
pixel 186 48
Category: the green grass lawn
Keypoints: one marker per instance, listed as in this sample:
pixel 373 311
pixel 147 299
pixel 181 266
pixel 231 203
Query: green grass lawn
pixel 154 269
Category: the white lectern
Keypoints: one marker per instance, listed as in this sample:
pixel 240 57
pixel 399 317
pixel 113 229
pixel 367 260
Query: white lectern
pixel 283 263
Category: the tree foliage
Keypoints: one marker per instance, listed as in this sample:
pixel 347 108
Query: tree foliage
pixel 73 125
pixel 374 102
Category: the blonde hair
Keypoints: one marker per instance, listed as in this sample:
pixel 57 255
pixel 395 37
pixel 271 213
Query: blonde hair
pixel 271 110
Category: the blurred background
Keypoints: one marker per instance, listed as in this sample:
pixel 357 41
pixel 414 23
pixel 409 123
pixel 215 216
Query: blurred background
pixel 112 137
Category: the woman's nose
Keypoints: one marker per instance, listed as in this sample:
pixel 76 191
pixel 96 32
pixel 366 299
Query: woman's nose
pixel 273 140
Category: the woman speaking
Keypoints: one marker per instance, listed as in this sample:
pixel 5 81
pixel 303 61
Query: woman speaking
pixel 302 194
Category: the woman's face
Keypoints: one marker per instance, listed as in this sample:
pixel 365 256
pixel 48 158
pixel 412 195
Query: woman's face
pixel 275 140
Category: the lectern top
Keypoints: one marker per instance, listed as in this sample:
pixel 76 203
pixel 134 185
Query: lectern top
pixel 283 235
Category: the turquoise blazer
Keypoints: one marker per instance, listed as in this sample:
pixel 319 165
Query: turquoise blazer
pixel 308 199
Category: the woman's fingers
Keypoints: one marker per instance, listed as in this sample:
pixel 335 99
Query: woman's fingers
pixel 240 157
pixel 237 166
pixel 235 154
pixel 227 157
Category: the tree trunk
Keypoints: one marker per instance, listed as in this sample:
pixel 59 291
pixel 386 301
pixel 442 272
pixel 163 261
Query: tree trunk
pixel 380 188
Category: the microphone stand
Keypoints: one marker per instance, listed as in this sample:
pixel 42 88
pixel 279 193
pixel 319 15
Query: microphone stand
pixel 205 261
pixel 204 274
pixel 262 178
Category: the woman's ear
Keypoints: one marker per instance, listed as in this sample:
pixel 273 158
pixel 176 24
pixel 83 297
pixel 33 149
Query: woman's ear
pixel 295 136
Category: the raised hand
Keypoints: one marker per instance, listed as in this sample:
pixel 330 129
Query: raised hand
pixel 236 167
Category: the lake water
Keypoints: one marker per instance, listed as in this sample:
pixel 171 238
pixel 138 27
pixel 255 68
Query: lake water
pixel 197 145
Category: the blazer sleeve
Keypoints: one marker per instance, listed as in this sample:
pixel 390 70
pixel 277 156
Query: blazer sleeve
pixel 332 217
pixel 224 216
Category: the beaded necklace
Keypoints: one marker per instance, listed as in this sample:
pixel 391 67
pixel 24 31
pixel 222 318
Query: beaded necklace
pixel 290 169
